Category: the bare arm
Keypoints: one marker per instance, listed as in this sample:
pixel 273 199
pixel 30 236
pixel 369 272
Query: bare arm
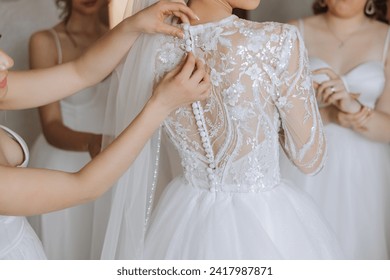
pixel 43 54
pixel 35 88
pixel 33 191
pixel 376 126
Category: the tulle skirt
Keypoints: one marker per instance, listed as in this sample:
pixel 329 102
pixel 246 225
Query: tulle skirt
pixel 18 240
pixel 352 191
pixel 194 223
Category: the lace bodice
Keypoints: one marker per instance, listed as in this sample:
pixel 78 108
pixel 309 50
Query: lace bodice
pixel 261 95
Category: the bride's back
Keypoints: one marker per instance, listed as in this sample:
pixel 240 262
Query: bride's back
pixel 230 142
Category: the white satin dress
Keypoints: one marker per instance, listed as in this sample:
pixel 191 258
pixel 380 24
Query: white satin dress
pixel 76 232
pixel 18 240
pixel 352 189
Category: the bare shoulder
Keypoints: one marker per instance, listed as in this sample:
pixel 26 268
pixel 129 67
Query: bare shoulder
pixel 42 39
pixel 43 49
pixel 378 26
pixel 314 22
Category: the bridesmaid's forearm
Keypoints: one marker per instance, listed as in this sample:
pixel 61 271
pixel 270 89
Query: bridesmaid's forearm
pixel 108 166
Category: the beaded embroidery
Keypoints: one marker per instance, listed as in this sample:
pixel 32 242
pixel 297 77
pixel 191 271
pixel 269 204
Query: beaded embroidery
pixel 261 95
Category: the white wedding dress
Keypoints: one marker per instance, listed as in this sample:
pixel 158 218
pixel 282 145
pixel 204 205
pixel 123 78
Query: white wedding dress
pixel 231 202
pixel 18 240
pixel 76 232
pixel 353 187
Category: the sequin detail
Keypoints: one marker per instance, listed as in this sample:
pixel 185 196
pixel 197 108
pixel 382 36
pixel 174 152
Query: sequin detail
pixel 261 96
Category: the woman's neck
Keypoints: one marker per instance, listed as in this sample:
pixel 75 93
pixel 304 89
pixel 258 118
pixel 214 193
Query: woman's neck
pixel 79 23
pixel 345 26
pixel 210 10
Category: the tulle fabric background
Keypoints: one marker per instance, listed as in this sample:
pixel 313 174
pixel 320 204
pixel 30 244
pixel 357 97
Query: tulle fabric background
pixel 130 88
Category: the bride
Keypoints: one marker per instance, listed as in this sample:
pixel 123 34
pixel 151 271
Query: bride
pixel 230 202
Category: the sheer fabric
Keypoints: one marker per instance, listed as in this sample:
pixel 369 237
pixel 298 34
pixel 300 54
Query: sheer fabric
pixel 130 88
pixel 261 94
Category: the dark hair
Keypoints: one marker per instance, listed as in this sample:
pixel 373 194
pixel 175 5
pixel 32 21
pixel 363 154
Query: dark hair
pixel 66 9
pixel 380 10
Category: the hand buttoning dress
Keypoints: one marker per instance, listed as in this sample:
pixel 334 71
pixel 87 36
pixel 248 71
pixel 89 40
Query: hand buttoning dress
pixel 18 240
pixel 230 202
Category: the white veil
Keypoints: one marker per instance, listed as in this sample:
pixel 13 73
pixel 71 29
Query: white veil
pixel 130 88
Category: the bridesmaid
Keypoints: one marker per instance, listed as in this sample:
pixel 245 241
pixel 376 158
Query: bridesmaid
pixel 33 191
pixel 348 45
pixel 71 127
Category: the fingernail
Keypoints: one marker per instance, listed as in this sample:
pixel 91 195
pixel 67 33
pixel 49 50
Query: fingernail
pixel 197 17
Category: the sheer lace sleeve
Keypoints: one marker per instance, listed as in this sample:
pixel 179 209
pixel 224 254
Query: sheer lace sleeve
pixel 301 130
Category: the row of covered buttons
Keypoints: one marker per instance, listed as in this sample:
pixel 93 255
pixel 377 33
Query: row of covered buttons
pixel 198 113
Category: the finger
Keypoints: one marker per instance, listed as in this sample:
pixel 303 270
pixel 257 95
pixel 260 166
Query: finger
pixel 188 67
pixel 183 17
pixel 327 84
pixel 200 71
pixel 176 70
pixel 360 122
pixel 362 117
pixel 342 120
pixel 361 114
pixel 204 86
pixel 350 117
pixel 347 120
pixel 355 95
pixel 318 96
pixel 327 93
pixel 327 71
pixel 168 29
pixel 363 123
pixel 335 97
pixel 322 89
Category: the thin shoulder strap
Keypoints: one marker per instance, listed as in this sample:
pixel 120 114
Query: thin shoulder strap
pixel 301 28
pixel 386 46
pixel 58 45
pixel 21 143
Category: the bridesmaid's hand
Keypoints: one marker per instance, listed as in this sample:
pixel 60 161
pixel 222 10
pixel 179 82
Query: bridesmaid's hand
pixel 334 92
pixel 187 83
pixel 95 145
pixel 355 121
pixel 151 19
